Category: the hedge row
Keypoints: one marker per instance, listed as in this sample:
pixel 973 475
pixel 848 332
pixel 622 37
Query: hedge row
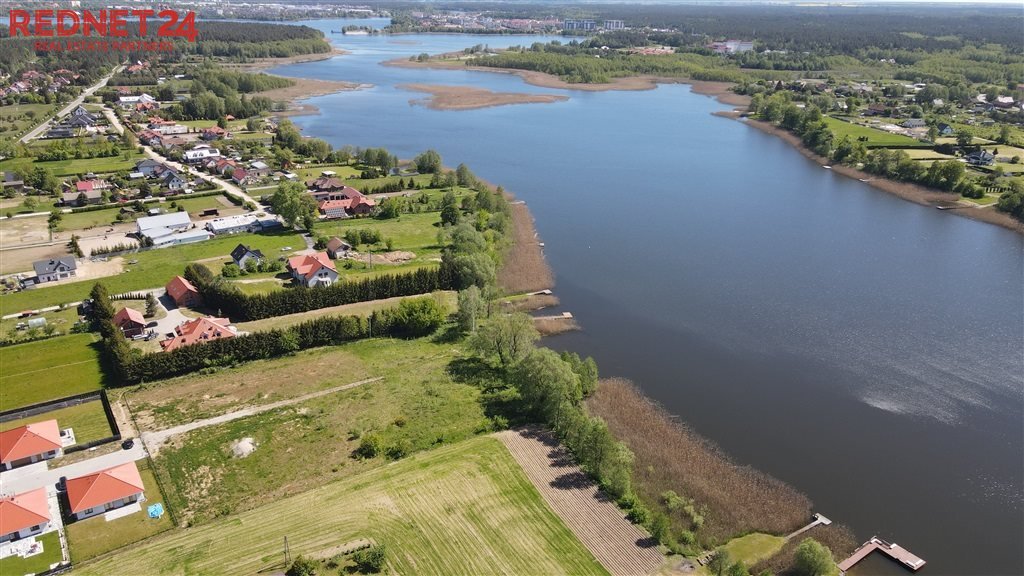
pixel 241 307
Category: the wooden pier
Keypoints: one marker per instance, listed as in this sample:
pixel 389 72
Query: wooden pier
pixel 894 551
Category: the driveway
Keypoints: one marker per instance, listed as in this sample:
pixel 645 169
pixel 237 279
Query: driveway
pixel 38 476
pixel 172 320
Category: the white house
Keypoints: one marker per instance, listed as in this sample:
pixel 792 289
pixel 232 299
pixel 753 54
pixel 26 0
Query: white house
pixel 164 224
pixel 200 153
pixel 24 515
pixel 242 255
pixel 312 270
pixel 54 269
pixel 130 101
pixel 105 490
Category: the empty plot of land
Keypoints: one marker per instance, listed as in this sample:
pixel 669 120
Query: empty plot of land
pixel 28 230
pixel 21 259
pixel 462 509
pixel 618 545
pixel 445 299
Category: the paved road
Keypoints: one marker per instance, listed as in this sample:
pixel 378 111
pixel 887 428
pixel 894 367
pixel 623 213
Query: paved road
pixel 35 132
pixel 37 475
pixel 154 440
pixel 226 185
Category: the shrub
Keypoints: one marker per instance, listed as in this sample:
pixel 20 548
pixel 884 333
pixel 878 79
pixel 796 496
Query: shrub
pixel 370 560
pixel 231 271
pixel 369 447
pixel 302 566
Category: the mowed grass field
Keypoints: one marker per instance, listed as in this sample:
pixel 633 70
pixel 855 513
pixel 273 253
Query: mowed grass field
pixel 154 269
pixel 461 509
pixel 416 233
pixel 93 218
pixel 87 419
pixel 417 406
pixel 875 138
pixel 49 369
pixel 74 166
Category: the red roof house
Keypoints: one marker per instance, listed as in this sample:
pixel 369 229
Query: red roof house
pixel 239 175
pixel 130 321
pixel 198 331
pixel 183 292
pixel 24 514
pixel 104 490
pixel 29 444
pixel 315 269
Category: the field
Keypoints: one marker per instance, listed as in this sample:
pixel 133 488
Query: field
pixel 619 545
pixel 94 536
pixel 416 406
pixel 62 319
pixel 447 299
pixel 93 218
pixel 416 233
pixel 462 509
pixel 15 118
pixel 87 419
pixel 16 566
pixel 753 548
pixel 875 138
pixel 72 167
pixel 154 269
pixel 48 369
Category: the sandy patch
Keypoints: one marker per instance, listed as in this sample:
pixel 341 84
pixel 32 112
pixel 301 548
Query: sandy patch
pixel 243 447
pixel 469 98
pixel 308 88
pixel 551 325
pixel 262 64
pixel 21 259
pixel 395 257
pixel 21 231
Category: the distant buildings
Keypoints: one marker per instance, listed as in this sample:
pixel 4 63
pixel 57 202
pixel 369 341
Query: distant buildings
pixel 614 25
pixel 732 46
pixel 131 101
pixel 576 24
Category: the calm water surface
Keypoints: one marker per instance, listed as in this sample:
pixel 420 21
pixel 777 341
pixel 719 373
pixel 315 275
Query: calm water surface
pixel 865 349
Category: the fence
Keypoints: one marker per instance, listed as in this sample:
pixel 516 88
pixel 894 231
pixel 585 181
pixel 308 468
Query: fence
pixel 67 402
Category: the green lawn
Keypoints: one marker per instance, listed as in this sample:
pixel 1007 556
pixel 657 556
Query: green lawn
pixel 94 536
pixel 89 219
pixel 62 319
pixel 753 548
pixel 447 299
pixel 17 566
pixel 461 509
pixel 416 233
pixel 154 268
pixel 61 168
pixel 88 420
pixel 19 118
pixel 875 138
pixel 49 369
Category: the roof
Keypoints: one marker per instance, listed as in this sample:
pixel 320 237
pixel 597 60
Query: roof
pixel 89 185
pixel 23 511
pixel 49 266
pixel 231 222
pixel 29 440
pixel 98 488
pixel 239 174
pixel 128 315
pixel 195 234
pixel 179 286
pixel 308 265
pixel 241 250
pixel 335 243
pixel 168 220
pixel 197 331
pixel 326 183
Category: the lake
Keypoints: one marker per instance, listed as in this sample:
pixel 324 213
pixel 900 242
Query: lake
pixel 865 349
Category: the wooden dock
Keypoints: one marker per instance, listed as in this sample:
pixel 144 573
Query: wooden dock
pixel 894 551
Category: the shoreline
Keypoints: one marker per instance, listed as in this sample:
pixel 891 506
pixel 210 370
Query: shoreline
pixel 443 97
pixel 722 92
pixel 303 88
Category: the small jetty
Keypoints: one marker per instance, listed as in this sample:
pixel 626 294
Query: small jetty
pixel 892 550
pixel 562 316
pixel 816 520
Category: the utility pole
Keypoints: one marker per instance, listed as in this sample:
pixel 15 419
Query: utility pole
pixel 287 553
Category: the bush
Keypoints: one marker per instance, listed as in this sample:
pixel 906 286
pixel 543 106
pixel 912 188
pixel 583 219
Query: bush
pixel 369 447
pixel 231 271
pixel 302 566
pixel 370 560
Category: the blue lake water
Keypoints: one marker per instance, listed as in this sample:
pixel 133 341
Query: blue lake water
pixel 867 350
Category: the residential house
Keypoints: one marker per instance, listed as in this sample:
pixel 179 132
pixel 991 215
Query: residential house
pixel 105 490
pixel 239 176
pixel 23 515
pixel 131 102
pixel 877 109
pixel 151 138
pixel 170 179
pixel 79 121
pixel 54 269
pixel 333 208
pixel 980 158
pixel 29 444
pixel 313 269
pixel 81 111
pixel 914 123
pixel 338 248
pixel 945 129
pixel 60 132
pixel 155 226
pixel 1003 102
pixel 259 169
pixel 214 133
pixel 13 183
pixel 75 197
pixel 149 167
pixel 183 292
pixel 130 321
pixel 200 153
pixel 242 255
pixel 199 331
pixel 233 224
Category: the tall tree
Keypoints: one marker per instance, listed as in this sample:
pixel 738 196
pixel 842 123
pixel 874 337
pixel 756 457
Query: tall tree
pixel 294 204
pixel 506 337
pixel 813 558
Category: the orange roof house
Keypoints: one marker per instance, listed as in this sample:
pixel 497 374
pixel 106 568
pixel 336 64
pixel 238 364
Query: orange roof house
pixel 183 292
pixel 313 269
pixel 198 331
pixel 104 490
pixel 24 514
pixel 29 444
pixel 130 321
